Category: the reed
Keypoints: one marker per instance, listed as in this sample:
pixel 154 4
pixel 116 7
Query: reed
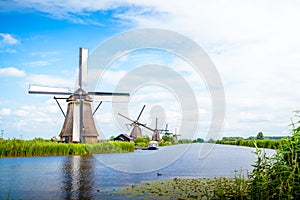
pixel 40 147
pixel 278 177
pixel 110 147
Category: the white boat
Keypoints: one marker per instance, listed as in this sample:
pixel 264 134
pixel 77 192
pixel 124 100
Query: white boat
pixel 153 145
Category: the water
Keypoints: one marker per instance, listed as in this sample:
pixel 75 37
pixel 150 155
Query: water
pixel 89 177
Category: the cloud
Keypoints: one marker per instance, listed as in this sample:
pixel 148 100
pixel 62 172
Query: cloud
pixel 20 125
pixel 5 111
pixel 21 113
pixel 44 54
pixel 47 80
pixel 35 117
pixel 40 63
pixel 11 71
pixel 8 40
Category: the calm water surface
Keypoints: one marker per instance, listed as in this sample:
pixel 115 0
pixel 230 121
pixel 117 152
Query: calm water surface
pixel 95 176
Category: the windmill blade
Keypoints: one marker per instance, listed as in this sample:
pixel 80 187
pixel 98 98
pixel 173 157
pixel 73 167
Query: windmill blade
pixel 143 125
pixel 83 66
pixel 126 118
pixel 97 107
pixel 128 125
pixel 110 97
pixel 141 113
pixel 37 89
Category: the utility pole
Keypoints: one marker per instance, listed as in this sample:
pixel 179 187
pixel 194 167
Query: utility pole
pixel 2 133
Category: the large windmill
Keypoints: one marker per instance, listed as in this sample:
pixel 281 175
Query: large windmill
pixel 136 130
pixel 79 125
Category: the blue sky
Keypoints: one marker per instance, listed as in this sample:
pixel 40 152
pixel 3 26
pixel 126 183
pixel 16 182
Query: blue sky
pixel 254 45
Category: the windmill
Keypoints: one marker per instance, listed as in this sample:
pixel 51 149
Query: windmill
pixel 79 125
pixel 136 130
pixel 166 131
pixel 175 135
pixel 156 132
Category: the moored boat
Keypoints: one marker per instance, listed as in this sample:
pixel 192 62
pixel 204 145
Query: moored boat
pixel 153 145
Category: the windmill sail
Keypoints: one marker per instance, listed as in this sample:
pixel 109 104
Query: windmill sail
pixel 109 97
pixel 140 113
pixel 83 66
pixel 76 123
pixel 37 89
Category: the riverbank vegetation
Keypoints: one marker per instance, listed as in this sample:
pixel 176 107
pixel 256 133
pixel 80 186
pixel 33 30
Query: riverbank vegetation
pixel 41 147
pixel 270 142
pixel 166 140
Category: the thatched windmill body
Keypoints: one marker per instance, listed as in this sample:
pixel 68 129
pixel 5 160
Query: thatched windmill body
pixel 79 125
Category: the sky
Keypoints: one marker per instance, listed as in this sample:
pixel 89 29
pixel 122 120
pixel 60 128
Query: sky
pixel 254 46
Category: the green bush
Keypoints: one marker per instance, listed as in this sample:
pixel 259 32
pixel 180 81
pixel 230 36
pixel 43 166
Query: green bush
pixel 168 138
pixel 164 143
pixel 144 139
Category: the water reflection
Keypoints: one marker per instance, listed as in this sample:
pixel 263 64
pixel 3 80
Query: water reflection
pixel 77 177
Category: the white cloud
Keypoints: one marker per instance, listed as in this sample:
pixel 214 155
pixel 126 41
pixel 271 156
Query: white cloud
pixel 11 71
pixel 22 113
pixel 5 111
pixel 8 39
pixel 44 54
pixel 39 63
pixel 20 125
pixel 46 80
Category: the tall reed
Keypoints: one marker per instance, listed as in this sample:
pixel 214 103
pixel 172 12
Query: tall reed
pixel 278 177
pixel 40 147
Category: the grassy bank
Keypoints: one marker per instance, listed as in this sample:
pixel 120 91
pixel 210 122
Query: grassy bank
pixel 270 144
pixel 40 147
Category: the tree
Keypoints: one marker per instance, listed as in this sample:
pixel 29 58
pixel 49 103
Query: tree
pixel 198 140
pixel 260 136
pixel 112 138
pixel 168 138
pixel 211 141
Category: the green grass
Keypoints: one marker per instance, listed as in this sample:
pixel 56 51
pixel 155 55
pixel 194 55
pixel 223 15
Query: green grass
pixel 270 144
pixel 40 147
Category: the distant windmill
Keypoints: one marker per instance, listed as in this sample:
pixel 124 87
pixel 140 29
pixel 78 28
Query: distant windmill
pixel 156 132
pixel 136 130
pixel 79 125
pixel 166 131
pixel 175 135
